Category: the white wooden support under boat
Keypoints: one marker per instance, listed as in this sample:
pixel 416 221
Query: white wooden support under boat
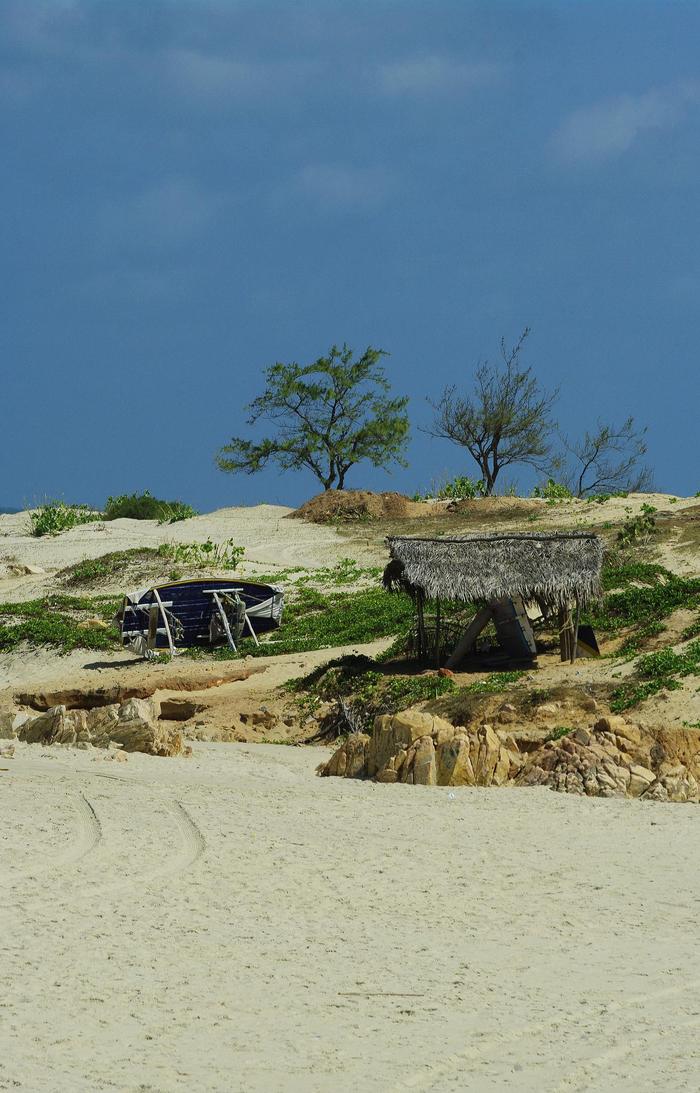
pixel 224 619
pixel 171 643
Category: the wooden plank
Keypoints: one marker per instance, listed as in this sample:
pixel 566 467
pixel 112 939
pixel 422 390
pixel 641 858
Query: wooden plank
pixel 467 641
pixel 224 619
pixel 152 625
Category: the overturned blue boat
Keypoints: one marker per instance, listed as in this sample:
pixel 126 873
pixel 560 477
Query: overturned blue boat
pixel 208 611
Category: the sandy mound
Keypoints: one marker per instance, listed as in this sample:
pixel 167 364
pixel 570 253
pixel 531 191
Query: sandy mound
pixel 490 507
pixel 358 505
pixel 348 505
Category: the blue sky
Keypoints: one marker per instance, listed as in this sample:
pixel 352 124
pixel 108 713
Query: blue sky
pixel 190 191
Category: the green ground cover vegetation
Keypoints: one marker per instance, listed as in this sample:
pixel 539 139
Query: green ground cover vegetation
pixel 54 621
pixel 53 517
pixel 144 506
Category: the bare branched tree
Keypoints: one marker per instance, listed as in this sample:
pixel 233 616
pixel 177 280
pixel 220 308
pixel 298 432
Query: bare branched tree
pixel 608 459
pixel 505 420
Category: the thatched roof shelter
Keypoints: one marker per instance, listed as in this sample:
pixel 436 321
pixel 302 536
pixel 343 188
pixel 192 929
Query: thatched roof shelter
pixel 553 569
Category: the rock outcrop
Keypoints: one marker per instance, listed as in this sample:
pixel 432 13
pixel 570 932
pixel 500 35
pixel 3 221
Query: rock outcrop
pixel 132 725
pixel 419 748
pixel 612 759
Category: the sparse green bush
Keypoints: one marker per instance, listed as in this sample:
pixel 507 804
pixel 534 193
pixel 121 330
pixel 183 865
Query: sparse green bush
pixel 144 506
pixel 209 555
pixel 558 733
pixel 638 529
pixel 55 516
pixel 321 620
pixel 461 488
pixel 179 510
pixel 553 491
pixel 601 498
pixel 107 567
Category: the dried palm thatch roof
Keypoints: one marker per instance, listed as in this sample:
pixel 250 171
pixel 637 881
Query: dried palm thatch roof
pixel 552 569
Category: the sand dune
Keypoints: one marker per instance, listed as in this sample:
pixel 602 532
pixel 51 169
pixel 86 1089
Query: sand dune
pixel 232 923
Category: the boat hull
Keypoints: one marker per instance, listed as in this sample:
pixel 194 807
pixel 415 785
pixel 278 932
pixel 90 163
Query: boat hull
pixel 191 603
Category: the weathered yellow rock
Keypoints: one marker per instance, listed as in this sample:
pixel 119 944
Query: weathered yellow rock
pixel 501 771
pixel 616 759
pixel 43 729
pixel 640 780
pixel 443 733
pixel 462 771
pixel 424 770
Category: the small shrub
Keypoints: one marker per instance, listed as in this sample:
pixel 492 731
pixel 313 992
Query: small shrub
pixel 558 733
pixel 55 516
pixel 144 506
pixel 209 555
pixel 179 510
pixel 553 491
pixel 460 488
pixel 601 498
pixel 638 529
pixel 110 566
pixel 359 693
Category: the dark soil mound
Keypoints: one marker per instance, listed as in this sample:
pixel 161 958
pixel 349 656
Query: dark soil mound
pixel 356 505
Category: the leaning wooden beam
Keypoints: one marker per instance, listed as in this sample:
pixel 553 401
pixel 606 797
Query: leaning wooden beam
pixel 252 631
pixel 468 639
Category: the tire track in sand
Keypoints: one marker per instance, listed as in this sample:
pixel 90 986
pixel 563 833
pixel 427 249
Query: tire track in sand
pixel 82 841
pixel 175 838
pixel 89 831
pixel 581 1072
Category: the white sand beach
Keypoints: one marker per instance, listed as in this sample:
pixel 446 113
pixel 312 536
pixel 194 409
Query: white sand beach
pixel 231 922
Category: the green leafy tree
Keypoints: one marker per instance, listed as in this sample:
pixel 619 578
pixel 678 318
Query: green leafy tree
pixel 505 420
pixel 327 417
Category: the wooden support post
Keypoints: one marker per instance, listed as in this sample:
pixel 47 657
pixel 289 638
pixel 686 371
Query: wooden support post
pixel 437 633
pixel 252 631
pixel 566 633
pixel 421 625
pixel 574 641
